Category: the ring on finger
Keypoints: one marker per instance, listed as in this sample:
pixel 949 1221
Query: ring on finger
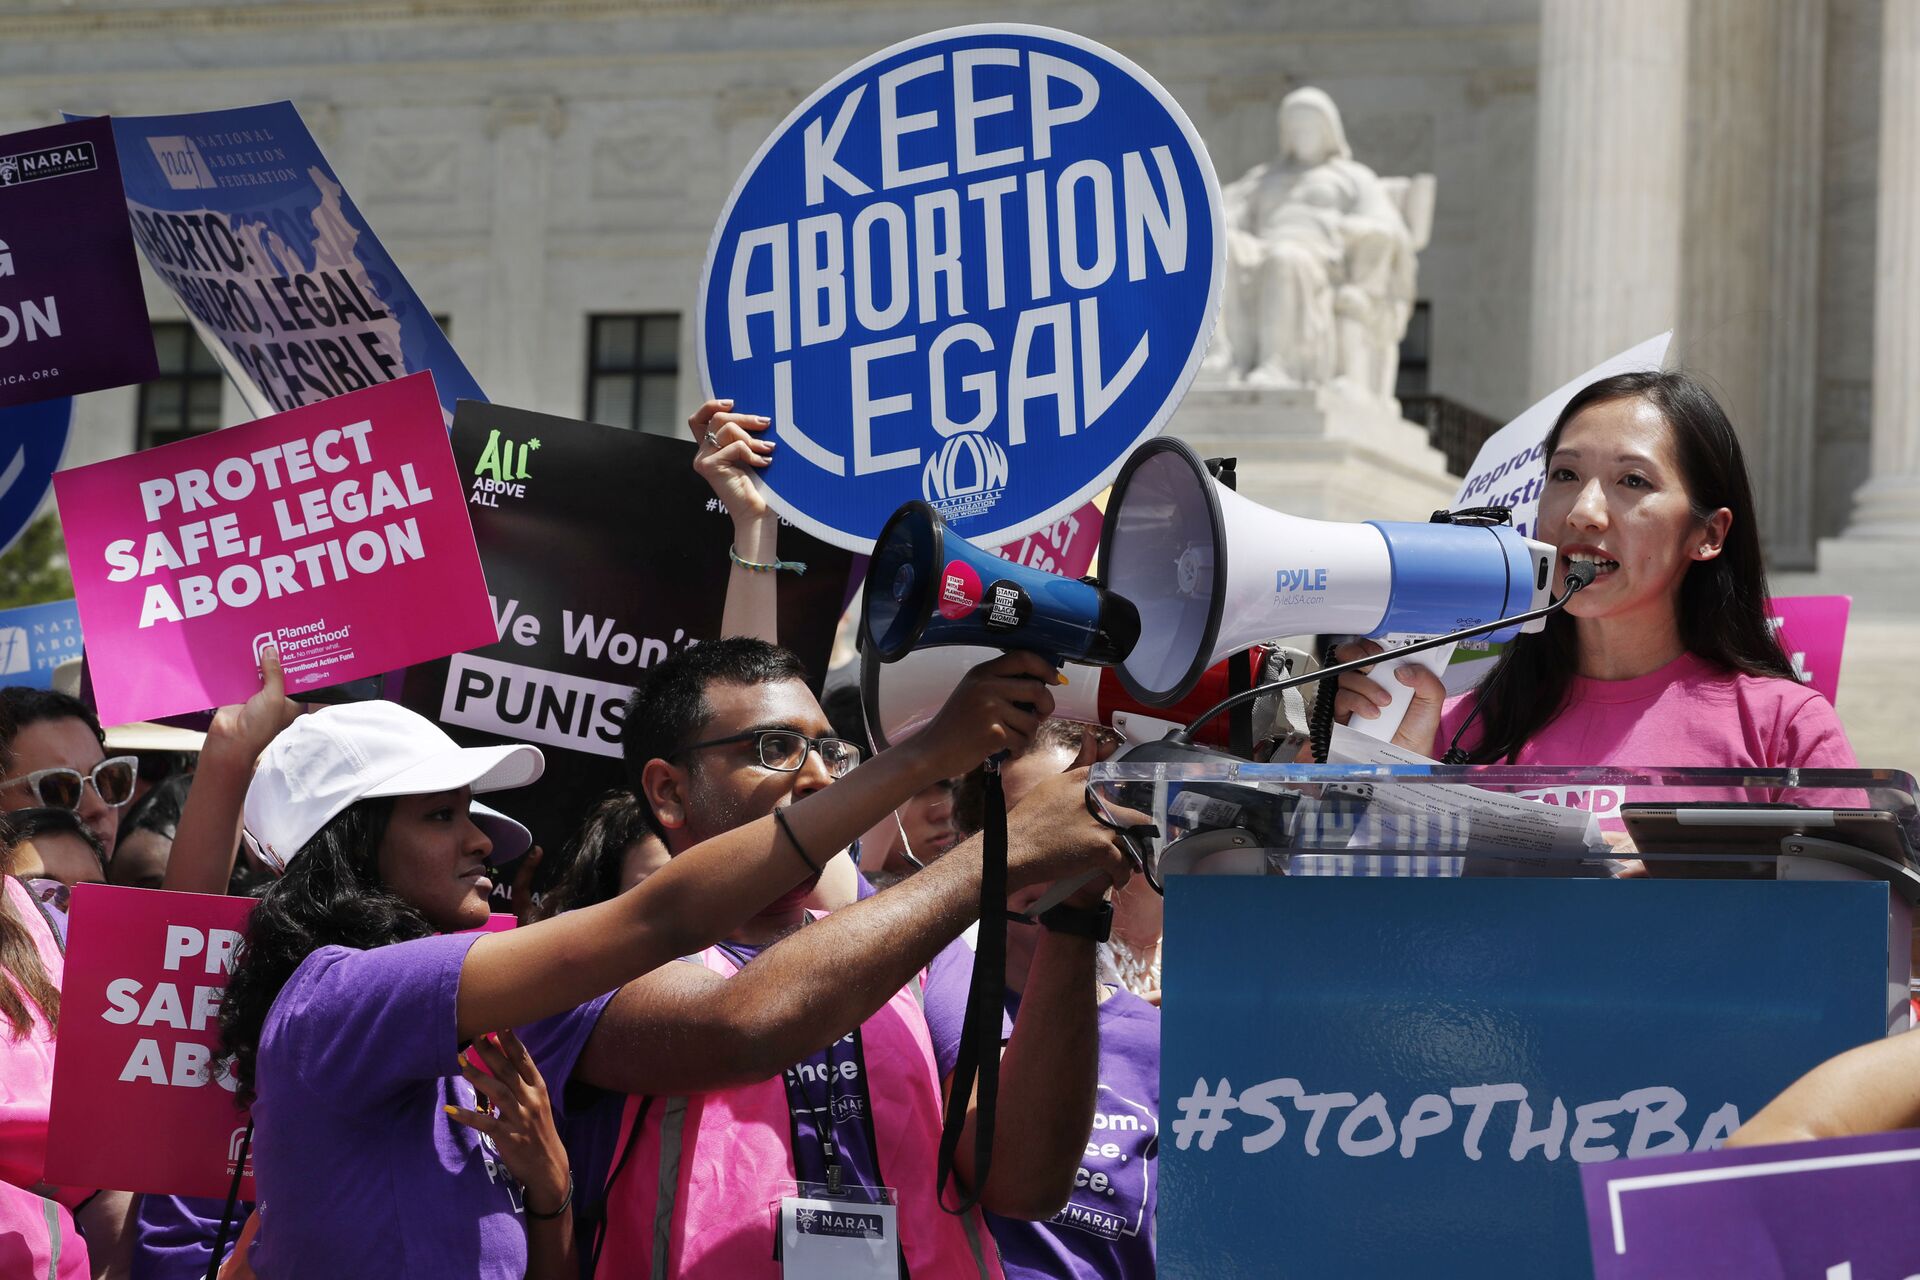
pixel 711 442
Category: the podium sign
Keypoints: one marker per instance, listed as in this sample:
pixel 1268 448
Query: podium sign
pixel 1388 1077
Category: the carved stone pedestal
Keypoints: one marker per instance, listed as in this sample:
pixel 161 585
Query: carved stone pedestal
pixel 1318 453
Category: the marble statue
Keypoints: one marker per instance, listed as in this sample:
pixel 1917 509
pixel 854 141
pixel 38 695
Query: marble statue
pixel 1321 256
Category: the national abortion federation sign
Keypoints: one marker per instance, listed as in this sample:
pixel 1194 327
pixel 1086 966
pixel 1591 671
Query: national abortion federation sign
pixel 976 269
pixel 244 220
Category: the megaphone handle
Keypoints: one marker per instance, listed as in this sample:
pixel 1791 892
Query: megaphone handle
pixel 999 758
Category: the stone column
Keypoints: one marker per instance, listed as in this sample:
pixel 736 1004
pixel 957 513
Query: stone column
pixel 1753 189
pixel 1609 201
pixel 1887 506
pixel 523 129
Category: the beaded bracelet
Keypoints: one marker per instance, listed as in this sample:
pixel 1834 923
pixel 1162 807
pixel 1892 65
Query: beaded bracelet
pixel 795 565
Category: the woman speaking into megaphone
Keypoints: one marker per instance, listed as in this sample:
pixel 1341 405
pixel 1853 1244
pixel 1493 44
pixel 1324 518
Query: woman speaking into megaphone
pixel 1668 657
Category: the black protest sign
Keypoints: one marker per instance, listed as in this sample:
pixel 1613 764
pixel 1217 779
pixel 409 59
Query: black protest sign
pixel 604 552
pixel 73 316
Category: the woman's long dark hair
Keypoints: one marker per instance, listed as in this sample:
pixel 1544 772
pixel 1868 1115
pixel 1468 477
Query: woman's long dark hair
pixel 1723 601
pixel 331 895
pixel 597 856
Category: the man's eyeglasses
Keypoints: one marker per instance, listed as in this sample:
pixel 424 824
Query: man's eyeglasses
pixel 785 751
pixel 61 788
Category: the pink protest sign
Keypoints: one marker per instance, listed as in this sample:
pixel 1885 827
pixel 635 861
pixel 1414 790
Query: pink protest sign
pixel 1065 547
pixel 1812 629
pixel 338 530
pixel 140 1100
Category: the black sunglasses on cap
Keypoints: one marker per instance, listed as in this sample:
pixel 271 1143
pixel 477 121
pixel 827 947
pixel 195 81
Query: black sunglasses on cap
pixel 62 788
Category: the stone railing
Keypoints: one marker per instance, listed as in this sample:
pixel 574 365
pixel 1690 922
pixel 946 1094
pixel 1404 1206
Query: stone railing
pixel 1452 428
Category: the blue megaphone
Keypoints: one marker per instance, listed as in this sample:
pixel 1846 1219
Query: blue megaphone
pixel 926 586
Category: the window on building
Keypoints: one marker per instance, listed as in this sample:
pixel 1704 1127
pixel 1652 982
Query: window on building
pixel 185 399
pixel 1416 352
pixel 633 371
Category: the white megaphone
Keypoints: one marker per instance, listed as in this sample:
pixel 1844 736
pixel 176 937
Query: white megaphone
pixel 1212 573
pixel 901 698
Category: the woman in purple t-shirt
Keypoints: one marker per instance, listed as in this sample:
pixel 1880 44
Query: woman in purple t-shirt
pixel 1668 656
pixel 360 980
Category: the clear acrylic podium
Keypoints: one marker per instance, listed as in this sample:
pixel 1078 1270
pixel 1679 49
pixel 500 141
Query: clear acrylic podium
pixel 1401 1009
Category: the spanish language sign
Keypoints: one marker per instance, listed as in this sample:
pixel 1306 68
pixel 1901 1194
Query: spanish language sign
pixel 338 531
pixel 33 439
pixel 73 316
pixel 1509 471
pixel 244 219
pixel 36 638
pixel 976 269
pixel 1425 1065
pixel 1835 1210
pixel 604 552
pixel 141 1098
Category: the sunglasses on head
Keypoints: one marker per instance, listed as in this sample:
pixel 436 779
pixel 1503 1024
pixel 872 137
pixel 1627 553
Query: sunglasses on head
pixel 61 788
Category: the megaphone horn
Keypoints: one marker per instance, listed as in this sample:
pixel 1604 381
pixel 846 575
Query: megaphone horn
pixel 926 587
pixel 1212 573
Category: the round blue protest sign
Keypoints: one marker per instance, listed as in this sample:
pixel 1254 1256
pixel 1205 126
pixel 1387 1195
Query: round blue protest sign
pixel 975 269
pixel 33 438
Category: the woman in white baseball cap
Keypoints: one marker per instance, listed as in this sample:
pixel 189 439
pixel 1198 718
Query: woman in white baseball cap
pixel 356 987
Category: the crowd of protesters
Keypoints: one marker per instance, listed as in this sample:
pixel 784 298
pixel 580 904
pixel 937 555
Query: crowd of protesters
pixel 747 979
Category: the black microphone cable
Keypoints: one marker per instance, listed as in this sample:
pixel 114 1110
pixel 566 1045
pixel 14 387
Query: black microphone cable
pixel 1579 575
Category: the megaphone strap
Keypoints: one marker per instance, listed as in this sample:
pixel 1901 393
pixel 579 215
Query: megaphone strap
pixel 976 1070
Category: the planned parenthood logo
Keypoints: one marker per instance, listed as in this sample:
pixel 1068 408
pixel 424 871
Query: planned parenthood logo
pixel 976 269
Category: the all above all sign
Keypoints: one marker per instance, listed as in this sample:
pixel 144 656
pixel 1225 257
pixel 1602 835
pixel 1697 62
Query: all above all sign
pixel 976 269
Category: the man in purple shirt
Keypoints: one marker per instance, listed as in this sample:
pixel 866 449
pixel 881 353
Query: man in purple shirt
pixel 1105 1231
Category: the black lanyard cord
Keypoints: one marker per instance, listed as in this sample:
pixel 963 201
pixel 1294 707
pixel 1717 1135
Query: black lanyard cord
pixel 976 1071
pixel 233 1199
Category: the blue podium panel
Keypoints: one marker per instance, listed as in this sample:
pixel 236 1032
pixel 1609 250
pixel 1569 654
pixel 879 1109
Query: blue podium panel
pixel 1377 1078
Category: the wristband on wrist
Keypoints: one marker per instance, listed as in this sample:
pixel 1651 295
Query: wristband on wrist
pixel 1095 923
pixel 734 555
pixel 780 820
pixel 565 1204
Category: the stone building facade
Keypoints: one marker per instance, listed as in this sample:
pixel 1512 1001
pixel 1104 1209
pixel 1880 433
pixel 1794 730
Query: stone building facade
pixel 1743 171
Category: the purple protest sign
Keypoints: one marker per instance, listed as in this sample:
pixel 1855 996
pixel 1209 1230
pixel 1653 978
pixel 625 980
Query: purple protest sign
pixel 73 317
pixel 1812 630
pixel 1836 1210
